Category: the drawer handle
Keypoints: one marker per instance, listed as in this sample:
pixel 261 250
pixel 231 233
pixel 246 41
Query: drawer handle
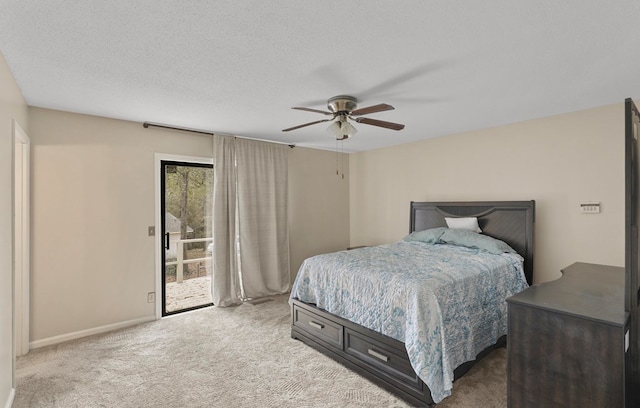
pixel 316 325
pixel 377 355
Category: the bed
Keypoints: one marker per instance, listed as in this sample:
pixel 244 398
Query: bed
pixel 395 330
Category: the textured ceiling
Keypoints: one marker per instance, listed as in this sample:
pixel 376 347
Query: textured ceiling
pixel 237 67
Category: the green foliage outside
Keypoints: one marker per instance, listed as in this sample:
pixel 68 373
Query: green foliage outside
pixel 189 196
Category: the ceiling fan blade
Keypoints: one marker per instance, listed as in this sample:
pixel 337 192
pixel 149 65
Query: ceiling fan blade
pixel 372 109
pixel 381 123
pixel 312 110
pixel 401 79
pixel 306 124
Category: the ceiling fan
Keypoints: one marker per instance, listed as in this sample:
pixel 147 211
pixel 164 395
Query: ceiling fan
pixel 344 107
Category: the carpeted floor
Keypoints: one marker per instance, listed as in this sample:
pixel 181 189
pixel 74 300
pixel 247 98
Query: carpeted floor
pixel 218 357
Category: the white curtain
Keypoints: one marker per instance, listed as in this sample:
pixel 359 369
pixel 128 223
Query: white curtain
pixel 225 282
pixel 250 230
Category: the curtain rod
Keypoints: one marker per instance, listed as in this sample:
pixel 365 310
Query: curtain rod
pixel 207 132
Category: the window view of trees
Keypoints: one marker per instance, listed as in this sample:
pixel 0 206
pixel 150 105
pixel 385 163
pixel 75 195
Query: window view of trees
pixel 188 206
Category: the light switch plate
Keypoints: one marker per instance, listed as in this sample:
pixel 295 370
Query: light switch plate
pixel 152 231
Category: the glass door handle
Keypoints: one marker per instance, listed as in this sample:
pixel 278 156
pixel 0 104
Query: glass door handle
pixel 166 241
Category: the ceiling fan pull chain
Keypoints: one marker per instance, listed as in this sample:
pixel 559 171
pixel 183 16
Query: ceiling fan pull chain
pixel 342 145
pixel 337 158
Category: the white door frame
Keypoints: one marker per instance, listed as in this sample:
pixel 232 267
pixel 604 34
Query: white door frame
pixel 21 239
pixel 159 157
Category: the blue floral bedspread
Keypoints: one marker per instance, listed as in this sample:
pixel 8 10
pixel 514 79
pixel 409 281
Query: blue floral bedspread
pixel 445 302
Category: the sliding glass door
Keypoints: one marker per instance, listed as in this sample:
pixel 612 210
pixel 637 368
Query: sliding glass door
pixel 187 245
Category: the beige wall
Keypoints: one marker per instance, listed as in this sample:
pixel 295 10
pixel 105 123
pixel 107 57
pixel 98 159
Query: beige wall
pixel 93 183
pixel 558 161
pixel 319 205
pixel 12 107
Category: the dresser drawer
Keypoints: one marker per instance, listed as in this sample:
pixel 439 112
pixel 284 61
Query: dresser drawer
pixel 324 329
pixel 389 361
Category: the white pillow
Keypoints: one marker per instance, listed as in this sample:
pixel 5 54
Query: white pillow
pixel 468 223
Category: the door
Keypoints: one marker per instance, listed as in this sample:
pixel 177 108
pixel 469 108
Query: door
pixel 186 210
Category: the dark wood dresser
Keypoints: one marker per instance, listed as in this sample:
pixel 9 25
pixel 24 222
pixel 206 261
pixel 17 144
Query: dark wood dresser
pixel 566 340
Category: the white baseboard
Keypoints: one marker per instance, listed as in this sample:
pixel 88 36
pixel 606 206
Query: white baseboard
pixel 12 394
pixel 89 332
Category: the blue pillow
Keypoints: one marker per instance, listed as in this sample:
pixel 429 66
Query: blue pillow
pixel 429 236
pixel 470 239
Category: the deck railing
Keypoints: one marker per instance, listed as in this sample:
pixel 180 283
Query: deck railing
pixel 180 261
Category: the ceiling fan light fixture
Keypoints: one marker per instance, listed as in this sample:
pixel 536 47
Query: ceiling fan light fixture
pixel 347 129
pixel 341 129
pixel 334 128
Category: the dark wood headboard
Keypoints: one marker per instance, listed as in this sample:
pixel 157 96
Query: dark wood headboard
pixel 508 221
